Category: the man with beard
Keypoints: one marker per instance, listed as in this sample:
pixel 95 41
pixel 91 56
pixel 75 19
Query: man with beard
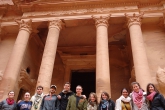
pixel 50 101
pixel 64 95
pixel 37 98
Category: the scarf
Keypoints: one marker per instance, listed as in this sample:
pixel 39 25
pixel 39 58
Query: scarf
pixel 104 104
pixel 37 100
pixel 138 98
pixel 151 96
pixel 10 101
pixel 122 98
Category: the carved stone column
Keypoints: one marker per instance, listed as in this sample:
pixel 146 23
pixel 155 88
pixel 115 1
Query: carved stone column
pixel 142 71
pixel 14 63
pixel 48 58
pixel 102 55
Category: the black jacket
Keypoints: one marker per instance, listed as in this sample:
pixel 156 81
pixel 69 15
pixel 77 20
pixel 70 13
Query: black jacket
pixel 111 105
pixel 158 102
pixel 64 99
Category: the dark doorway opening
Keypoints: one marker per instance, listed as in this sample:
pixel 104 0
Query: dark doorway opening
pixel 86 79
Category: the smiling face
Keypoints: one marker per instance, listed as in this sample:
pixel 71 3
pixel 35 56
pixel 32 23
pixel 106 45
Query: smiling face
pixel 151 88
pixel 67 87
pixel 125 93
pixel 39 91
pixel 104 96
pixel 92 98
pixel 27 96
pixel 135 87
pixel 78 90
pixel 11 95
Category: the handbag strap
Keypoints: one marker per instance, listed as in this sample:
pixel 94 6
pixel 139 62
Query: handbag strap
pixel 125 105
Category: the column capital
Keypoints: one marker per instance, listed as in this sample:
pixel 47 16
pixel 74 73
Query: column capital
pixel 134 19
pixel 55 24
pixel 25 25
pixel 101 20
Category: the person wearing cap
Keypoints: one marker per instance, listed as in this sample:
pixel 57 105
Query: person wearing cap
pixel 64 95
pixel 50 101
pixel 37 98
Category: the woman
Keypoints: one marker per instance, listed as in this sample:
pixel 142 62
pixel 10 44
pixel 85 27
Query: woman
pixel 124 102
pixel 25 104
pixel 138 99
pixel 9 103
pixel 106 103
pixel 77 101
pixel 156 100
pixel 92 102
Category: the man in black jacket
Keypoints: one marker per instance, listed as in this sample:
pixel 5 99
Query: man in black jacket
pixel 64 95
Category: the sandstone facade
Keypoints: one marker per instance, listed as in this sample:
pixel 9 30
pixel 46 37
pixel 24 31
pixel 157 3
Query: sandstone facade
pixel 43 41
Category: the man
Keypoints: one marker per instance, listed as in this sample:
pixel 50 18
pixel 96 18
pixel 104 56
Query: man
pixel 26 104
pixel 37 98
pixel 64 95
pixel 50 101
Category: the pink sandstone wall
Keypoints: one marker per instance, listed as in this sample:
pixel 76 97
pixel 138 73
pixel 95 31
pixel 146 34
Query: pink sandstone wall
pixel 154 38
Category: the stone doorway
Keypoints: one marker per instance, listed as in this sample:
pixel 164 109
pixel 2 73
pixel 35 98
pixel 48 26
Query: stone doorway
pixel 86 79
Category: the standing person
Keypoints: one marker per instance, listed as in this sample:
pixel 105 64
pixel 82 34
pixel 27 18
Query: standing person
pixel 138 97
pixel 25 104
pixel 50 101
pixel 37 98
pixel 64 95
pixel 92 102
pixel 9 103
pixel 77 101
pixel 106 103
pixel 156 100
pixel 124 101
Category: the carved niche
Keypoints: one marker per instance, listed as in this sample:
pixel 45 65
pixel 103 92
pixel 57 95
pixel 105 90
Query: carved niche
pixel 25 82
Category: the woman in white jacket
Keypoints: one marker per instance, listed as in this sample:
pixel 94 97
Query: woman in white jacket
pixel 124 101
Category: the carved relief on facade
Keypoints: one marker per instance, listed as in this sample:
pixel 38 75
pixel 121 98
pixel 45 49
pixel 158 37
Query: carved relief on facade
pixel 26 82
pixel 101 20
pixel 160 76
pixel 134 19
pixel 55 24
pixel 25 25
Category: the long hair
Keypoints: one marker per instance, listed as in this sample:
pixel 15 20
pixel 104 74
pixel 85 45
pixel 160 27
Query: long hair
pixel 106 94
pixel 150 84
pixel 95 96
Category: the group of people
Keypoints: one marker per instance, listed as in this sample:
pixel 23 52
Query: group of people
pixel 68 100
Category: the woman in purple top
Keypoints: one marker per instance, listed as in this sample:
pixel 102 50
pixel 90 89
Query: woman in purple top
pixel 26 104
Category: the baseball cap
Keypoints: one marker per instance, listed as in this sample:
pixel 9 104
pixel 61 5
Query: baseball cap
pixel 53 86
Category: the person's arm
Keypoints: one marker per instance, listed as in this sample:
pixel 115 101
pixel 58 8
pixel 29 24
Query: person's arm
pixel 18 105
pixel 85 104
pixel 42 103
pixel 1 103
pixel 118 105
pixel 162 100
pixel 69 104
pixel 57 105
pixel 113 105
